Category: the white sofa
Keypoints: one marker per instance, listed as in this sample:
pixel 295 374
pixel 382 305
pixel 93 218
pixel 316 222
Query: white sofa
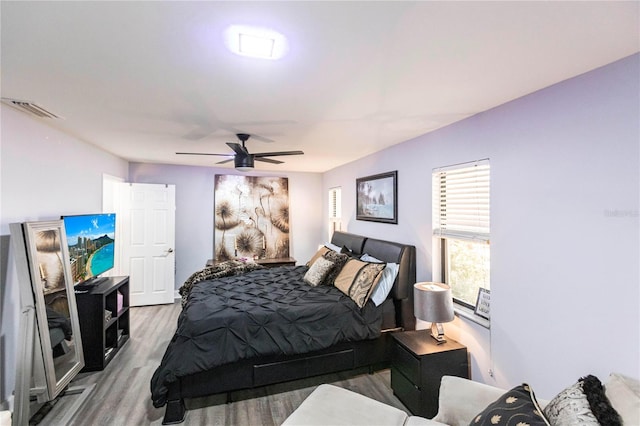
pixel 460 400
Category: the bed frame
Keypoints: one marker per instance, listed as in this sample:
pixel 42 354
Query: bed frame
pixel 262 371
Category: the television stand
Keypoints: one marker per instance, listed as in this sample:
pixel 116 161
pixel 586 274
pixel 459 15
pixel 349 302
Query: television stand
pixel 91 283
pixel 103 312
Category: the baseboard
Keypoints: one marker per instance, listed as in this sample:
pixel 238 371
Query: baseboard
pixel 176 296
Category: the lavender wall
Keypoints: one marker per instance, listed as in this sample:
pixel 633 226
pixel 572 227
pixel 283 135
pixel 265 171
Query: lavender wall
pixel 44 174
pixel 194 211
pixel 564 226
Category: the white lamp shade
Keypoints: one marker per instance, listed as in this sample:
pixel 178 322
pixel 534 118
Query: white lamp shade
pixel 432 302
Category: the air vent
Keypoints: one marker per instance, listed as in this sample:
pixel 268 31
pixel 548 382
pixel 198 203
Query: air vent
pixel 30 108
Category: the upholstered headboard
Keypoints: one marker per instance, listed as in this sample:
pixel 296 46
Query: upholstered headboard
pixel 388 251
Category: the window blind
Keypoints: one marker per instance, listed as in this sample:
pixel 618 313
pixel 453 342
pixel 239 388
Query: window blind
pixel 335 203
pixel 461 201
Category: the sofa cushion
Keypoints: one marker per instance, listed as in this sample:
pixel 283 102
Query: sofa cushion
pixel 583 403
pixel 624 394
pixel 476 397
pixel 332 405
pixel 514 408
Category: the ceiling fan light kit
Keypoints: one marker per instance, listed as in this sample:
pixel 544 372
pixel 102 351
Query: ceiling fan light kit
pixel 243 164
pixel 243 160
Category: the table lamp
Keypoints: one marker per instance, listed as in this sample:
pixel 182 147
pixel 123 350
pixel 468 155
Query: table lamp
pixel 432 302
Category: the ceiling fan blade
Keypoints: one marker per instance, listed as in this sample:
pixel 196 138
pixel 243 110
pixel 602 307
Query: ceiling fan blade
pixel 268 160
pixel 277 154
pixel 202 153
pixel 237 148
pixel 262 138
pixel 225 161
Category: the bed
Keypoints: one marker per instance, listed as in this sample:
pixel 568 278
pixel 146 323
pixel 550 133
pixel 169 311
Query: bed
pixel 207 358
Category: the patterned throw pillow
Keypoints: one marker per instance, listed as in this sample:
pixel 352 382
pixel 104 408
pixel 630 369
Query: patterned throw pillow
pixel 318 272
pixel 518 407
pixel 321 251
pixel 339 261
pixel 357 279
pixel 583 403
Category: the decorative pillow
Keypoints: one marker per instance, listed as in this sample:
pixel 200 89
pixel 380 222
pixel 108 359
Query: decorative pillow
pixel 583 403
pixel 624 394
pixel 357 279
pixel 368 258
pixel 333 247
pixel 318 272
pixel 389 274
pixel 338 260
pixel 321 251
pixel 518 407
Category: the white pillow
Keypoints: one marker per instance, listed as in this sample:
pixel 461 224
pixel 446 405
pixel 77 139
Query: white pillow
pixel 333 247
pixel 624 395
pixel 389 274
pixel 368 258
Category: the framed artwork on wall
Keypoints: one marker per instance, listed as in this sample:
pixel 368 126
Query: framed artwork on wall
pixel 251 217
pixel 377 198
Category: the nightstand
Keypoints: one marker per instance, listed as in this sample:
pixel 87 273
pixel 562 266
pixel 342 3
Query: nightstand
pixel 417 365
pixel 273 263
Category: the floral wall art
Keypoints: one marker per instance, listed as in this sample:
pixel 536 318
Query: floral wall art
pixel 251 217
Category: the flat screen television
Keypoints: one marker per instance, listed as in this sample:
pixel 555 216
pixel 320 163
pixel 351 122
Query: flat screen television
pixel 91 239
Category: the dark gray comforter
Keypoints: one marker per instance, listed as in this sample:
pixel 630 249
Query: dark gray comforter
pixel 262 312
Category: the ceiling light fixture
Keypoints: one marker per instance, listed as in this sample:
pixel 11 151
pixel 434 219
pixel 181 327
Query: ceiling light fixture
pixel 258 47
pixel 255 42
pixel 243 163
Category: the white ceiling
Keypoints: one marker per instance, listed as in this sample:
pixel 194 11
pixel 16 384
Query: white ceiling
pixel 146 79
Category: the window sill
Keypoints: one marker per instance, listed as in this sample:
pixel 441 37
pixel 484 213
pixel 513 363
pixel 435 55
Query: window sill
pixel 468 314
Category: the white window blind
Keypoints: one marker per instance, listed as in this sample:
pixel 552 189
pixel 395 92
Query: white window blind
pixel 335 203
pixel 461 201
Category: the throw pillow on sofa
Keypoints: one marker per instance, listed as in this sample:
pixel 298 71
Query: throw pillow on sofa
pixel 624 394
pixel 516 407
pixel 583 403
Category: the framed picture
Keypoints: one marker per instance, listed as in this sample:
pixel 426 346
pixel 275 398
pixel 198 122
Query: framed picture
pixel 251 217
pixel 483 304
pixel 377 198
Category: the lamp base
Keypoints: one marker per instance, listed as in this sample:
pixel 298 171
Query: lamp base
pixel 437 332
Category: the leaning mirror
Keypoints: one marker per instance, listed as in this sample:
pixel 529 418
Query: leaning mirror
pixel 46 284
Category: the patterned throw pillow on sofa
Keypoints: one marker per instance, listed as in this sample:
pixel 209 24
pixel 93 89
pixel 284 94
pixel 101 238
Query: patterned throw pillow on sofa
pixel 583 403
pixel 518 407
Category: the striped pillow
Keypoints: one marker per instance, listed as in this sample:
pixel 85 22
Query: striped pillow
pixel 358 279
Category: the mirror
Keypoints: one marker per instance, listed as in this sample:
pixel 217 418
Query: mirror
pixel 53 343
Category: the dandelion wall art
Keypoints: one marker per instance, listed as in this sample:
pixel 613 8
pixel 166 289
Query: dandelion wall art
pixel 251 217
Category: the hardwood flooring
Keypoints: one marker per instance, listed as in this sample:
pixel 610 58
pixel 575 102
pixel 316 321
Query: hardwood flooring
pixel 122 393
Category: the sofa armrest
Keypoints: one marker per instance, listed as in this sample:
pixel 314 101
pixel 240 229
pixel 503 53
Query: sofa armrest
pixel 462 399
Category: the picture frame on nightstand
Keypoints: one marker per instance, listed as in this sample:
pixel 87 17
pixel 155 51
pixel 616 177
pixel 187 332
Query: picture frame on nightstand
pixel 483 303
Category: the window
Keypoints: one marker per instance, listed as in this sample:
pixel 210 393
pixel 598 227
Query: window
pixel 461 228
pixel 335 210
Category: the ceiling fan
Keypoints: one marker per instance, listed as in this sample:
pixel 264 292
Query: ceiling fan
pixel 242 159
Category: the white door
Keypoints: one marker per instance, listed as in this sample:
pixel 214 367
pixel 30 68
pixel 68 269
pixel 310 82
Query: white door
pixel 148 230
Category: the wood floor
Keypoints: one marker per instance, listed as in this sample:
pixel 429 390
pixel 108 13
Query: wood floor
pixel 122 394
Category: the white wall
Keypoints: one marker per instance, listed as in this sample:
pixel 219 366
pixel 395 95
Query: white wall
pixel 194 211
pixel 565 247
pixel 44 174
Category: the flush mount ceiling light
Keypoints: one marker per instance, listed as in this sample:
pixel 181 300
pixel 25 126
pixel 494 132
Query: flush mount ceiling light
pixel 255 42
